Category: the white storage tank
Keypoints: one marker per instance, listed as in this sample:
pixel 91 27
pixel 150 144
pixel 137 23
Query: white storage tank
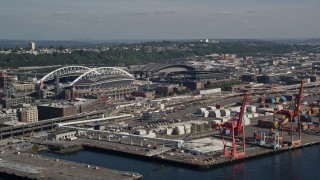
pixel 181 130
pixel 205 113
pixel 255 115
pixel 169 131
pixel 217 113
pixel 246 121
pixel 187 128
pixel 248 115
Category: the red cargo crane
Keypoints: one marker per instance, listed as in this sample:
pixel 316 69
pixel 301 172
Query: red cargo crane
pixel 236 127
pixel 297 113
pixel 291 114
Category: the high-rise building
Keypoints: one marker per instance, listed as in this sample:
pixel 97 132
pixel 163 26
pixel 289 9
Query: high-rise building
pixel 32 46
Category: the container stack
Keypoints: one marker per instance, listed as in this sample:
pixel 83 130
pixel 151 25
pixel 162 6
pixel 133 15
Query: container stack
pixel 315 110
pixel 289 97
pixel 270 100
pixel 310 125
pixel 284 119
pixel 304 125
pixel 225 112
pixel 283 99
pixel 251 109
pixel 215 114
pixel 267 123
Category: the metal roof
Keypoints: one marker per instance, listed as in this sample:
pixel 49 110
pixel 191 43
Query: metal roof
pixel 158 67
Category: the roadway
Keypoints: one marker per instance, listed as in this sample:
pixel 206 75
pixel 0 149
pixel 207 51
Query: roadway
pixel 10 131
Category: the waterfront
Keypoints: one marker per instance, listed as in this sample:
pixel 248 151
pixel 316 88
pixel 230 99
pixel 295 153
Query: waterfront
pixel 296 164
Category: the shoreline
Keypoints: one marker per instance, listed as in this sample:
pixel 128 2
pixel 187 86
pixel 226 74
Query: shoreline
pixel 258 153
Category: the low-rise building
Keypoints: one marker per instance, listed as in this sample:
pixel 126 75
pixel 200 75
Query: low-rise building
pixel 55 110
pixel 9 102
pixel 62 135
pixel 4 118
pixel 25 87
pixel 12 114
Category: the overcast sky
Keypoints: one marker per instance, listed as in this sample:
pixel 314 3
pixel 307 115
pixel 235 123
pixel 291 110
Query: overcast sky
pixel 158 19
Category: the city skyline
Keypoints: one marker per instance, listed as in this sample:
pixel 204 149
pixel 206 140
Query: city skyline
pixel 151 19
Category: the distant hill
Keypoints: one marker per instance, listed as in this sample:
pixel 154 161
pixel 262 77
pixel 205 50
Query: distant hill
pixel 48 43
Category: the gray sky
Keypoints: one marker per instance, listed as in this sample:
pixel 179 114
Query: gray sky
pixel 158 19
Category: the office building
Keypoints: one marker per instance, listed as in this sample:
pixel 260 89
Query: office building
pixel 28 114
pixel 32 46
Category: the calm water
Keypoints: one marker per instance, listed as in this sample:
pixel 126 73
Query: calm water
pixel 298 164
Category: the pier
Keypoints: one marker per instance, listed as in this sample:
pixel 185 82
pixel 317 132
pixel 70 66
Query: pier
pixel 29 166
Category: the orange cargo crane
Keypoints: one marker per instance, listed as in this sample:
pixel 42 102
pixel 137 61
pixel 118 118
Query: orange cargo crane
pixel 297 113
pixel 236 127
pixel 291 114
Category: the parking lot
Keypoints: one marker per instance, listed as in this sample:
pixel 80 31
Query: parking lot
pixel 11 146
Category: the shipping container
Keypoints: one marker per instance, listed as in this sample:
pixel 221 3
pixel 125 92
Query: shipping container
pixel 289 97
pixel 283 99
pixel 226 132
pixel 314 110
pixel 270 100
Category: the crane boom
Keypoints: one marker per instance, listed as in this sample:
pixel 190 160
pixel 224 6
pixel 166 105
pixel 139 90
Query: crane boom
pixel 232 145
pixel 297 108
pixel 241 114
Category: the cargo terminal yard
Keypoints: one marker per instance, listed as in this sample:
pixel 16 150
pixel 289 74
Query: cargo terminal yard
pixel 160 108
pixel 201 129
pixel 189 134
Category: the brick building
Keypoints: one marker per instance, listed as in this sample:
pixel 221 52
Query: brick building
pixel 55 110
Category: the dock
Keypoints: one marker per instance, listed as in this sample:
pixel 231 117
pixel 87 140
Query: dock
pixel 29 166
pixel 189 160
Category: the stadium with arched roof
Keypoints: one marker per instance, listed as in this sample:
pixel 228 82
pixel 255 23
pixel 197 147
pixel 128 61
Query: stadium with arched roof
pixel 110 81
